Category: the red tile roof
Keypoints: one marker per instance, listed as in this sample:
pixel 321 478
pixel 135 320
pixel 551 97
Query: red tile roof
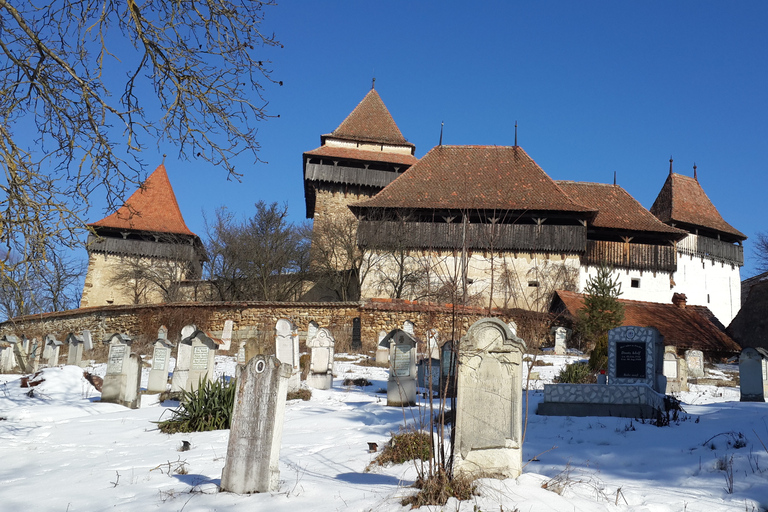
pixel 152 207
pixel 682 200
pixel 616 208
pixel 684 328
pixel 476 177
pixel 363 155
pixel 370 121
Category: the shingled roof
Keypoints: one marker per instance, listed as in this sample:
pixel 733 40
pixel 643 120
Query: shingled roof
pixel 682 327
pixel 370 121
pixel 683 201
pixel 151 208
pixel 616 209
pixel 362 155
pixel 477 177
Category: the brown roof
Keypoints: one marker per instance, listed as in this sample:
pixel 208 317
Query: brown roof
pixel 370 121
pixel 359 154
pixel 684 328
pixel 616 209
pixel 682 200
pixel 152 207
pixel 477 177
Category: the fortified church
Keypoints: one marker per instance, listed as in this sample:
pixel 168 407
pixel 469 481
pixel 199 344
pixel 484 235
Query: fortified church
pixel 490 223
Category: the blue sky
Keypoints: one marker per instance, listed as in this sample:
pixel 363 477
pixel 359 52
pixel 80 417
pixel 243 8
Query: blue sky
pixel 596 88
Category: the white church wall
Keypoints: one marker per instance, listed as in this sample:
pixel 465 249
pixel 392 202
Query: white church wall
pixel 635 285
pixel 714 284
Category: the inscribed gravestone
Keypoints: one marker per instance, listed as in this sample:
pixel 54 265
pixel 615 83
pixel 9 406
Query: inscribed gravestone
pixel 751 376
pixel 489 401
pixel 203 349
pixel 321 347
pixel 635 356
pixel 695 361
pixel 253 450
pixel 401 385
pixel 180 378
pixel 123 378
pixel 287 350
pixel 161 356
pixel 357 340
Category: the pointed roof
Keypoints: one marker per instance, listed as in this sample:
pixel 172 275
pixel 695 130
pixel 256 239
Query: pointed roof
pixel 477 177
pixel 152 207
pixel 370 121
pixel 616 209
pixel 682 327
pixel 683 201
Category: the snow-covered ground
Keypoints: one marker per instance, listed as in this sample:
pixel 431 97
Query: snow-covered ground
pixel 63 450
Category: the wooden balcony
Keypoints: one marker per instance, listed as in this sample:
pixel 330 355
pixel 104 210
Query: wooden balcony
pixel 646 257
pixel 712 249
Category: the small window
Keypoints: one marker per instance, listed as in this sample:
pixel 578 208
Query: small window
pixel 635 283
pixel 533 284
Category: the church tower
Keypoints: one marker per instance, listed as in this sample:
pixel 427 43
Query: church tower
pixel 709 258
pixel 142 252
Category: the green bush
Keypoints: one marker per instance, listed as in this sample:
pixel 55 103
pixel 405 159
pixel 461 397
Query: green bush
pixel 576 373
pixel 207 408
pixel 598 359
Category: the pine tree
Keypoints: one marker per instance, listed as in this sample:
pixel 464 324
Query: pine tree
pixel 601 312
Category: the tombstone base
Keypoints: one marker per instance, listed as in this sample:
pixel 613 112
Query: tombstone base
pixel 179 380
pixel 294 383
pixel 320 380
pixel 504 461
pixel 382 355
pixel 621 400
pixel 157 381
pixel 401 393
pixel 752 398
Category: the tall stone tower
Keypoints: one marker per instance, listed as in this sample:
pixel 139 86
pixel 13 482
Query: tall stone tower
pixel 141 253
pixel 710 257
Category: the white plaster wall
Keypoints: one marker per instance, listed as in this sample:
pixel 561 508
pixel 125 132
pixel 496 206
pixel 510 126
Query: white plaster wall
pixel 654 287
pixel 369 146
pixel 713 284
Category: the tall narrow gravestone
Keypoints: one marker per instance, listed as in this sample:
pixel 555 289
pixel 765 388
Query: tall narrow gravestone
pixel 751 376
pixel 695 361
pixel 321 348
pixel 161 357
pixel 253 451
pixel 401 385
pixel 180 377
pixel 123 378
pixel 76 346
pixel 489 401
pixel 52 347
pixel 561 333
pixel 287 350
pixel 7 357
pixel 635 356
pixel 203 356
pixel 382 351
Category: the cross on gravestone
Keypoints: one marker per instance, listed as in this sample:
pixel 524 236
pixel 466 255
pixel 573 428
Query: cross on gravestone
pixel 382 351
pixel 695 361
pixel 635 356
pixel 157 381
pixel 401 385
pixel 489 401
pixel 202 357
pixel 123 378
pixel 321 347
pixel 255 435
pixel 751 376
pixel 287 350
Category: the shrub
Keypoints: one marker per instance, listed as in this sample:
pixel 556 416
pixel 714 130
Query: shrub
pixel 207 408
pixel 437 488
pixel 598 359
pixel 576 373
pixel 405 446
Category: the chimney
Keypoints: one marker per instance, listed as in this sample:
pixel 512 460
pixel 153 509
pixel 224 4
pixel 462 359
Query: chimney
pixel 679 300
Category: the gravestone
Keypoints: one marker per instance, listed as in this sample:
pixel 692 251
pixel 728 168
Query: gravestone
pixel 161 357
pixel 226 335
pixel 123 378
pixel 489 401
pixel 433 344
pixel 448 361
pixel 180 378
pixel 287 350
pixel 635 356
pixel 382 351
pixel 357 340
pixel 18 349
pixel 76 347
pixel 312 329
pixel 428 373
pixel 561 334
pixel 409 327
pixel 7 357
pixel 321 347
pixel 253 451
pixel 675 371
pixel 203 355
pixel 52 347
pixel 401 385
pixel 751 376
pixel 695 361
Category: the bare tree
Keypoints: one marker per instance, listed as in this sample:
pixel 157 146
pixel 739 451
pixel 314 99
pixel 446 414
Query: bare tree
pixel 760 252
pixel 84 85
pixel 261 258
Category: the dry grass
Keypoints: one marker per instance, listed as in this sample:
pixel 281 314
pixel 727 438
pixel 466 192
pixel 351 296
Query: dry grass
pixel 437 488
pixel 405 446
pixel 302 394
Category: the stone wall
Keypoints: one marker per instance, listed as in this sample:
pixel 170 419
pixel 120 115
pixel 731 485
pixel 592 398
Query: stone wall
pixel 251 318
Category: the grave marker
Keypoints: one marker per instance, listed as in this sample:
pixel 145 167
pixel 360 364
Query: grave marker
pixel 123 378
pixel 161 357
pixel 695 361
pixel 252 462
pixel 321 347
pixel 751 376
pixel 76 346
pixel 675 371
pixel 203 356
pixel 635 356
pixel 382 351
pixel 52 346
pixel 401 385
pixel 287 350
pixel 180 378
pixel 561 333
pixel 489 401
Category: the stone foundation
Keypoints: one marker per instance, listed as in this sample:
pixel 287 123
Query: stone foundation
pixel 623 400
